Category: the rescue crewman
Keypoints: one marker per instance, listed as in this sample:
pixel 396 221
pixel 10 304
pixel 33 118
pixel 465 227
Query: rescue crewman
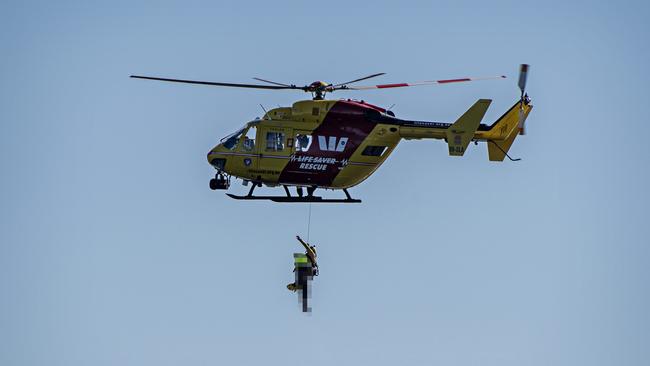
pixel 305 268
pixel 310 251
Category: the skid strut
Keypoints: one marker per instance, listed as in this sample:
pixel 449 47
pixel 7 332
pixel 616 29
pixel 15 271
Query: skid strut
pixel 296 199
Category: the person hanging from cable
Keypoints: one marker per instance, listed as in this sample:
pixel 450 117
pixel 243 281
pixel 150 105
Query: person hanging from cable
pixel 305 268
pixel 310 252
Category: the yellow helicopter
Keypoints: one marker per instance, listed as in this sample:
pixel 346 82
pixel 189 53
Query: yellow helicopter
pixel 337 144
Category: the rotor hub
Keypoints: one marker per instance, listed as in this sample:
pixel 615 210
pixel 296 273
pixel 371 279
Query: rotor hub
pixel 318 85
pixel 318 89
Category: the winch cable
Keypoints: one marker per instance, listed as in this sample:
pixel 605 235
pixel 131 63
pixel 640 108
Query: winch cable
pixel 309 222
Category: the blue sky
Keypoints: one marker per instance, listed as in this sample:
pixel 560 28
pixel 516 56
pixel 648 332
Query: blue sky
pixel 114 251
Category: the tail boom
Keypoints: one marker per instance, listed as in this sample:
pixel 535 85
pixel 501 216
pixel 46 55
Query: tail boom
pixel 499 136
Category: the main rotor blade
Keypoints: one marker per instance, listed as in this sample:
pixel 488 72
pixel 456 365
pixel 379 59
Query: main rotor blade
pixel 252 86
pixel 363 78
pixel 272 82
pixel 418 83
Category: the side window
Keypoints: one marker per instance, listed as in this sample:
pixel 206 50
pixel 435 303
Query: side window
pixel 274 141
pixel 374 150
pixel 303 142
pixel 249 139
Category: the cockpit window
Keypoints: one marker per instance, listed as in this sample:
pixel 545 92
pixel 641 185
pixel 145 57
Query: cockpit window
pixel 232 140
pixel 249 139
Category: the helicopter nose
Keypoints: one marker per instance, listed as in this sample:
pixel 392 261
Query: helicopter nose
pixel 216 160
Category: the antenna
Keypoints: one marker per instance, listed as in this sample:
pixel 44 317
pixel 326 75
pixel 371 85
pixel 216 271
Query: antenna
pixel 389 112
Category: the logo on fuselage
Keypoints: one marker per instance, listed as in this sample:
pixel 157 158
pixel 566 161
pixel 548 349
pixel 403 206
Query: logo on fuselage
pixel 332 143
pixel 307 162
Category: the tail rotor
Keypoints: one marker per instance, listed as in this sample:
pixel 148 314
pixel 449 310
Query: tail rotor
pixel 523 74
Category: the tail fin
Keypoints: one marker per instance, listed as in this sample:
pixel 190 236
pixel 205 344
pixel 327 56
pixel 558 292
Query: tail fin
pixel 500 130
pixel 497 150
pixel 502 133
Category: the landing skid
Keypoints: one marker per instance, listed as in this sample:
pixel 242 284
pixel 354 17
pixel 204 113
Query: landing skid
pixel 284 199
pixel 309 198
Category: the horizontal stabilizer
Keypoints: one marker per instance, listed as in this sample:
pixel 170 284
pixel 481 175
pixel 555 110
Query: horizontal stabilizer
pixel 461 133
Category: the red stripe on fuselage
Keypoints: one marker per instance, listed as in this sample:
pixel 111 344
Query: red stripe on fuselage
pixel 345 119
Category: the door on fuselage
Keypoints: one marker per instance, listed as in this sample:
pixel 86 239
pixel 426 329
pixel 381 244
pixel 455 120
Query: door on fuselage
pixel 312 162
pixel 303 141
pixel 275 147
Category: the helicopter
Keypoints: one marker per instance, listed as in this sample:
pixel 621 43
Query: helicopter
pixel 337 144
